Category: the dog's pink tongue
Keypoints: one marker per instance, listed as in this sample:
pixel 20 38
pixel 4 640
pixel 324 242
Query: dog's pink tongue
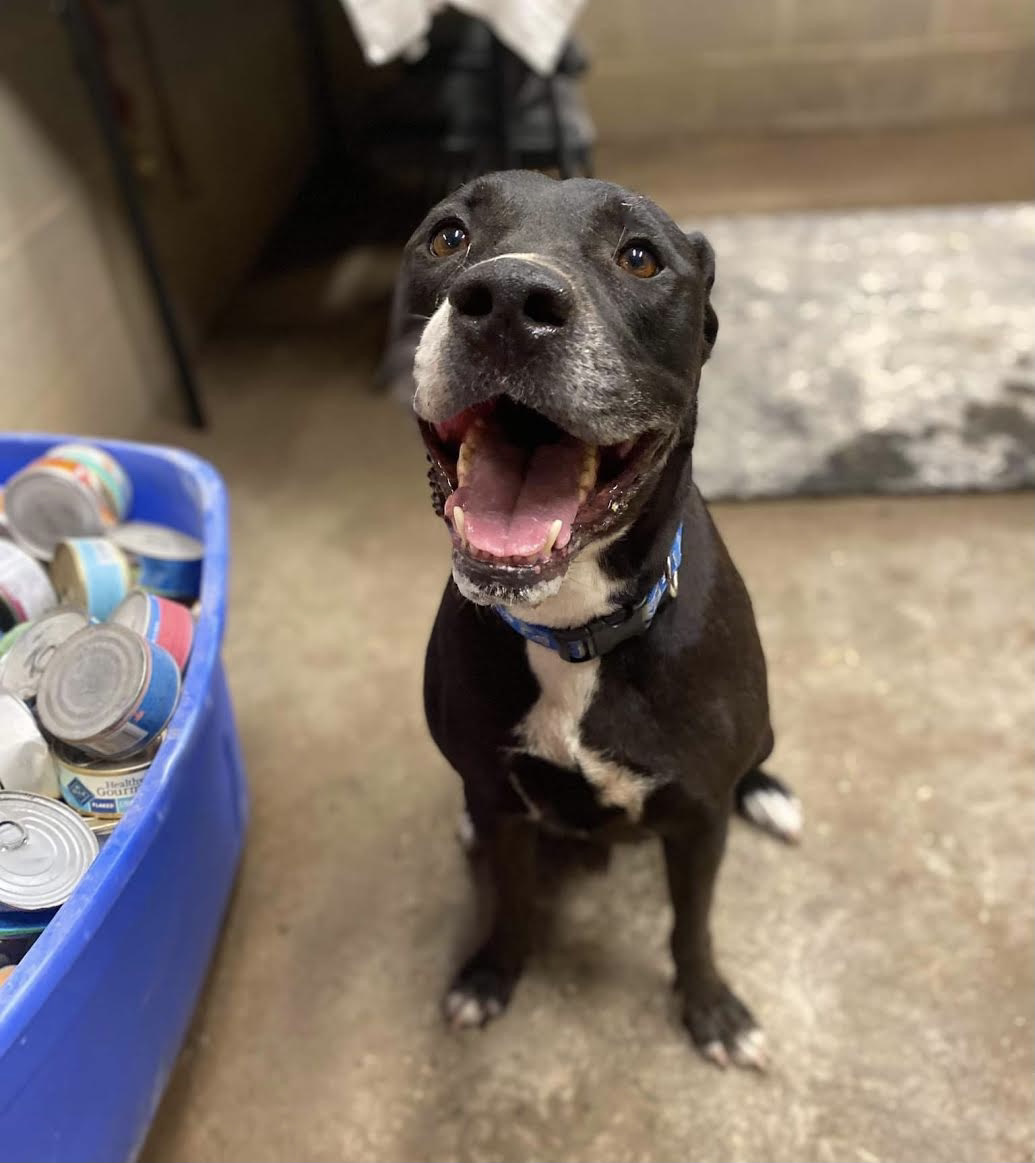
pixel 511 497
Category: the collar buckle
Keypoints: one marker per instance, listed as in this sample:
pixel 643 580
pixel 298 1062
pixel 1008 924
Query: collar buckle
pixel 597 637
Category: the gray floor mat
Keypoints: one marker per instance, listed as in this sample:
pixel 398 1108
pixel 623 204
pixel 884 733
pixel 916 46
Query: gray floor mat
pixel 872 351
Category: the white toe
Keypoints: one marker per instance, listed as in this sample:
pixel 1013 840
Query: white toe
pixel 464 1009
pixel 749 1049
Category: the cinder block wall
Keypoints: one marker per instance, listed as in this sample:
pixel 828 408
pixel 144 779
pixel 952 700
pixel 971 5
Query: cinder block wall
pixel 696 66
pixel 79 346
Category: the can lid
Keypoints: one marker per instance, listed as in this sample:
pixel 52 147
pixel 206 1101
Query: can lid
pixel 44 507
pixel 133 611
pixel 33 650
pixel 93 682
pixel 45 848
pixel 149 540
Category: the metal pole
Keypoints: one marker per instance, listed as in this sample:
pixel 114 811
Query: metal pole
pixel 88 58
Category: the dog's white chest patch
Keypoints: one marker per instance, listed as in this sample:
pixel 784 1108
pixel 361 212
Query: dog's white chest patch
pixel 552 730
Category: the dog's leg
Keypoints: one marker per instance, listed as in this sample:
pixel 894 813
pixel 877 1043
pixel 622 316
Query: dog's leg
pixel 719 1023
pixel 482 989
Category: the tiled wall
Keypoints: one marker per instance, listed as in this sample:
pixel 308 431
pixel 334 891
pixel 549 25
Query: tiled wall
pixel 79 349
pixel 698 66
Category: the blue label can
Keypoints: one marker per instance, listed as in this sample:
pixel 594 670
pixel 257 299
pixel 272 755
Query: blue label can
pixel 167 561
pixel 108 691
pixel 92 574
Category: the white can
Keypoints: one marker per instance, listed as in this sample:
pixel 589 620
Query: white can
pixel 26 660
pixel 25 589
pixel 25 763
pixel 45 850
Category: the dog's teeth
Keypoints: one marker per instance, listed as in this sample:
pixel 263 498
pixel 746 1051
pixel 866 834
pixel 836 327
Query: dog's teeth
pixel 625 448
pixel 551 537
pixel 463 463
pixel 588 474
pixel 458 523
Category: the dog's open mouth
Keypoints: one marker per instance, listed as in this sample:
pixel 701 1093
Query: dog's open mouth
pixel 521 493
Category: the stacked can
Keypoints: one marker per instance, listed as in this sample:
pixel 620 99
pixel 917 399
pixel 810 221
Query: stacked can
pixel 108 692
pixel 27 657
pixel 45 849
pixel 97 787
pixel 25 589
pixel 25 762
pixel 164 622
pixel 167 562
pixel 73 490
pixel 87 686
pixel 91 574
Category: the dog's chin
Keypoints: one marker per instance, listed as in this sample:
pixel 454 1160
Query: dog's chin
pixel 486 586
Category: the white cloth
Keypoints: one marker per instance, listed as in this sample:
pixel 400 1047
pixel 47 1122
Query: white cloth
pixel 533 29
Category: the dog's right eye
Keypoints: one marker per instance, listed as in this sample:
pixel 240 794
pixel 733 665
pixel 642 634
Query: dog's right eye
pixel 448 238
pixel 639 260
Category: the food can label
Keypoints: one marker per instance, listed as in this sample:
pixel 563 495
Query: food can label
pixel 100 795
pixel 152 712
pixel 107 469
pixel 104 574
pixel 169 625
pixel 169 579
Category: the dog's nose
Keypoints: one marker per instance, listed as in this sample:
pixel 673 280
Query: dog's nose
pixel 511 295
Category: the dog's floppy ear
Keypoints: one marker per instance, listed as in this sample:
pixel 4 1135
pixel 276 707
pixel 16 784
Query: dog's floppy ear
pixel 706 260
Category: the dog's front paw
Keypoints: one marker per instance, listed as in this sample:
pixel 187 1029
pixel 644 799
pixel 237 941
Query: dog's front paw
pixel 723 1029
pixel 478 994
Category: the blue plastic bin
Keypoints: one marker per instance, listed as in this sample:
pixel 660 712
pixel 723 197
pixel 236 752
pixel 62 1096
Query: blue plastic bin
pixel 91 1022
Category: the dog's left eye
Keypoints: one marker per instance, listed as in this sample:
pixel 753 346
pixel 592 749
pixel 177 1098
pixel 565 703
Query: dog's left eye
pixel 448 238
pixel 639 260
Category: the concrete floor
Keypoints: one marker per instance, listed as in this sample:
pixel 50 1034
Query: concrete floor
pixel 889 958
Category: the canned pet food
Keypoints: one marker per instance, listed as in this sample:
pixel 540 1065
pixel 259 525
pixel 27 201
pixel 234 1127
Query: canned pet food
pixel 28 657
pixel 102 827
pixel 45 849
pixel 168 562
pixel 164 622
pixel 25 763
pixel 72 490
pixel 97 788
pixel 25 589
pixel 92 574
pixel 18 933
pixel 108 691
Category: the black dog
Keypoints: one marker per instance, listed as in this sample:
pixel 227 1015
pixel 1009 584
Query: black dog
pixel 567 683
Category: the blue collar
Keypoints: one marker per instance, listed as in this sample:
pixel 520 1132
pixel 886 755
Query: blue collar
pixel 581 643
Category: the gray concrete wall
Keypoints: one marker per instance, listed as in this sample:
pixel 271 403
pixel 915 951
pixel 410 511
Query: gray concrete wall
pixel 677 66
pixel 79 347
